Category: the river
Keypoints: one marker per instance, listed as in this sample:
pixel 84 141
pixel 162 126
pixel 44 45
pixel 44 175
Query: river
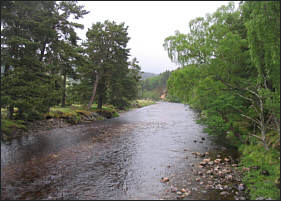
pixel 119 158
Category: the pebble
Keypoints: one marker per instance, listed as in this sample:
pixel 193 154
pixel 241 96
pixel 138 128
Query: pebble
pixel 229 177
pixel 194 189
pixel 260 198
pixel 206 160
pixel 203 163
pixel 183 190
pixel 211 163
pixel 241 187
pixel 165 179
pixel 209 187
pixel 219 186
pixel 174 189
pixel 227 159
pixel 210 182
pixel 209 172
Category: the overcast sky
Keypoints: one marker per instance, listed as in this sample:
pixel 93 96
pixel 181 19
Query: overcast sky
pixel 149 22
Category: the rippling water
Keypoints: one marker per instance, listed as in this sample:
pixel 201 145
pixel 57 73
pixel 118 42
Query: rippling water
pixel 120 158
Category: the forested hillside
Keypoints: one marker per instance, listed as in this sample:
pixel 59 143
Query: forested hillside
pixel 230 70
pixel 145 75
pixel 155 88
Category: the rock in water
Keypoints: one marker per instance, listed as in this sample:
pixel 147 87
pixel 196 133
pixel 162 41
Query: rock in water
pixel 165 179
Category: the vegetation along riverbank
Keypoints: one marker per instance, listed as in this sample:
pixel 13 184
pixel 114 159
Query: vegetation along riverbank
pixel 59 117
pixel 228 69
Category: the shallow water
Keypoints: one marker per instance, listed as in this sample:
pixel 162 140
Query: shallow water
pixel 120 158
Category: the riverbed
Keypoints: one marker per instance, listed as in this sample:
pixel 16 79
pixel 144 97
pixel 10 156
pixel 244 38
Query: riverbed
pixel 120 158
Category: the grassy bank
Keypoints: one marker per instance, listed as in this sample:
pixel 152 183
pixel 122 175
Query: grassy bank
pixel 76 112
pixel 263 177
pixel 144 103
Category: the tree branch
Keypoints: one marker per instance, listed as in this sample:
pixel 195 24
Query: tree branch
pixel 257 121
pixel 255 136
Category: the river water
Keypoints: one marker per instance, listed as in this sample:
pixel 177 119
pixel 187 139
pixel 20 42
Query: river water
pixel 120 158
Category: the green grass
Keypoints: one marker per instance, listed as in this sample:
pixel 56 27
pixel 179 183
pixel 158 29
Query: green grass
pixel 77 110
pixel 266 186
pixel 58 112
pixel 144 103
pixel 7 124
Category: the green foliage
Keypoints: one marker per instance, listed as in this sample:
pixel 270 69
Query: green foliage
pixel 37 46
pixel 150 95
pixel 173 98
pixel 106 67
pixel 262 20
pixel 230 69
pixel 220 74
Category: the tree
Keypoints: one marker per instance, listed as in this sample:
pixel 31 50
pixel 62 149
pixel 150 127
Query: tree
pixel 106 47
pixel 212 56
pixel 24 82
pixel 31 35
pixel 119 93
pixel 217 67
pixel 262 20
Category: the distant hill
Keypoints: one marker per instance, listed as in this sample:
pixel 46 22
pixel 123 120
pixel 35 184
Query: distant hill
pixel 145 75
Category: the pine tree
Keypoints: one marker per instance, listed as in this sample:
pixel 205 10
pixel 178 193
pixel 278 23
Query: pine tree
pixel 29 40
pixel 106 46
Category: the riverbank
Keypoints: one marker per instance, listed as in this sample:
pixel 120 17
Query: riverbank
pixel 62 117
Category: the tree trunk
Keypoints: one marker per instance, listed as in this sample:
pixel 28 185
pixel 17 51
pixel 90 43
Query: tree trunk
pixel 63 91
pixel 10 113
pixel 42 52
pixel 277 122
pixel 100 101
pixel 6 70
pixel 94 91
pixel 102 94
pixel 264 140
pixel 20 113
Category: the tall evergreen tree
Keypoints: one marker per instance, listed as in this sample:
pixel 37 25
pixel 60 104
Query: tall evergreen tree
pixel 124 85
pixel 29 38
pixel 106 47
